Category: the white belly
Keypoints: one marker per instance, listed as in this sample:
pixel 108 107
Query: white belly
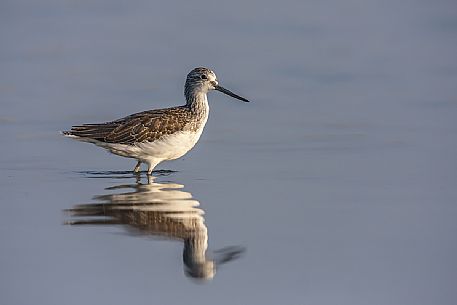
pixel 169 147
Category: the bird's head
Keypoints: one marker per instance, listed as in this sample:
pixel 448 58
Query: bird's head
pixel 202 80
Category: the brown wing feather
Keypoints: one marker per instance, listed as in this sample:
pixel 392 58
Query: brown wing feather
pixel 140 127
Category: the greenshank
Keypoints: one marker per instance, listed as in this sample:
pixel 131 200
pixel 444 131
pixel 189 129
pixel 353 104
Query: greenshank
pixel 157 135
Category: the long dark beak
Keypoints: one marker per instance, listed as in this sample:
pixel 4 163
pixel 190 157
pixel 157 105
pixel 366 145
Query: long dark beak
pixel 228 92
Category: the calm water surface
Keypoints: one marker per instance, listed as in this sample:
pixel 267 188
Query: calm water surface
pixel 336 185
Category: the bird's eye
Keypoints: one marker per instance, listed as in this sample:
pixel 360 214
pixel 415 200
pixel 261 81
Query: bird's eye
pixel 203 76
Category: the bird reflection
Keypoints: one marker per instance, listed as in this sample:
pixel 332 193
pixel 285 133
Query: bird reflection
pixel 160 210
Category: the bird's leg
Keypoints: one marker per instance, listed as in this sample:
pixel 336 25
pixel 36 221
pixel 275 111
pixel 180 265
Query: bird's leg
pixel 150 168
pixel 137 168
pixel 151 165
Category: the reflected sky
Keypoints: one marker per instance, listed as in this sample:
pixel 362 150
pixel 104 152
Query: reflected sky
pixel 160 210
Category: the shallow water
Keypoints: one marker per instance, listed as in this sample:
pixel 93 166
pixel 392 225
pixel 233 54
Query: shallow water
pixel 336 185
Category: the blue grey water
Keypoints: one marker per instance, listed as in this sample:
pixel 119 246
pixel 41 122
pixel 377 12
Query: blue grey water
pixel 337 183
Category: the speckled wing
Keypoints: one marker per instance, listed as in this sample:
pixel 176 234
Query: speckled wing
pixel 141 127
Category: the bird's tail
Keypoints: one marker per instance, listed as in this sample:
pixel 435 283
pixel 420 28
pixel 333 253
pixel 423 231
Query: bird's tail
pixel 90 132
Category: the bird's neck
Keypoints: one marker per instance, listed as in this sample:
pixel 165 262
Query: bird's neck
pixel 197 102
pixel 194 251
